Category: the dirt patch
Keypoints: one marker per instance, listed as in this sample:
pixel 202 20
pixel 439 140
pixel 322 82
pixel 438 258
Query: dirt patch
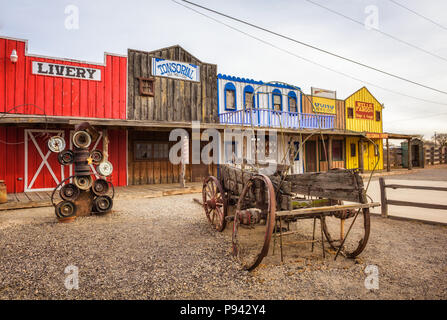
pixel 163 248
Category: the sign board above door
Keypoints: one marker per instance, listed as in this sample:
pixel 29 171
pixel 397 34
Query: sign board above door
pixel 323 93
pixel 66 71
pixel 175 69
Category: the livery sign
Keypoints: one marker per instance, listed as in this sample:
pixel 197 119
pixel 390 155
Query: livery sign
pixel 364 110
pixel 323 105
pixel 66 71
pixel 175 69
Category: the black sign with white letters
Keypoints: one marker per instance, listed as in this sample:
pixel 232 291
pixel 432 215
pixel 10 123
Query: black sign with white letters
pixel 66 71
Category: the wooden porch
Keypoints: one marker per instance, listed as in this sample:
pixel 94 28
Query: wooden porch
pixel 42 198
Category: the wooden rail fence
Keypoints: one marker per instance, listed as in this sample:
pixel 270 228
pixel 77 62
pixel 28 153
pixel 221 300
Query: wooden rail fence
pixel 385 201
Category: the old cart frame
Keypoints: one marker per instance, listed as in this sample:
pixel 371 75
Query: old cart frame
pixel 269 201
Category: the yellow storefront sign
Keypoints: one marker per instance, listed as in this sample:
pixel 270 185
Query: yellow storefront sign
pixel 323 105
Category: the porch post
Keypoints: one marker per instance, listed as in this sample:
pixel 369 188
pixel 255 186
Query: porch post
pixel 105 143
pixel 388 162
pixel 329 160
pixel 410 165
pixel 361 165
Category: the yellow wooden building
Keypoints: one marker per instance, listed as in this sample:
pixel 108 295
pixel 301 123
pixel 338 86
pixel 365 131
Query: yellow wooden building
pixel 364 114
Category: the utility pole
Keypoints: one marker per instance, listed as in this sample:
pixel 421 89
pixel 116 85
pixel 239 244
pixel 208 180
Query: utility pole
pixel 435 138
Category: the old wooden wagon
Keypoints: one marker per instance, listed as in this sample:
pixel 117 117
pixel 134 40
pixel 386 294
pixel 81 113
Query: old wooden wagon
pixel 264 207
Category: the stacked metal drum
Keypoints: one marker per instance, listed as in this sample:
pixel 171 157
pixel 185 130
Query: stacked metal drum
pixel 83 193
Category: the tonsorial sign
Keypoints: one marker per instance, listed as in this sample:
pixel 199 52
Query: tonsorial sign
pixel 67 71
pixel 175 69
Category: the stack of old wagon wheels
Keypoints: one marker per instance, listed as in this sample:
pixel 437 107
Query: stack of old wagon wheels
pixel 83 193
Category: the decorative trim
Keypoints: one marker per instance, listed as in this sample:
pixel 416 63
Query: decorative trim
pixel 251 81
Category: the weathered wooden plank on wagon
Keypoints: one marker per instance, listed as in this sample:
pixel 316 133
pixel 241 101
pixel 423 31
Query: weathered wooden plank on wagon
pixel 339 184
pixel 327 209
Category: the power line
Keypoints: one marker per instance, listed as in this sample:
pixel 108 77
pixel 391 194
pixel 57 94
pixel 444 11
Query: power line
pixel 417 118
pixel 316 48
pixel 418 14
pixel 310 61
pixel 377 30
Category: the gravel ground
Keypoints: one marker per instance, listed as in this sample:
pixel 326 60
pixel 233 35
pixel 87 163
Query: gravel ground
pixel 163 248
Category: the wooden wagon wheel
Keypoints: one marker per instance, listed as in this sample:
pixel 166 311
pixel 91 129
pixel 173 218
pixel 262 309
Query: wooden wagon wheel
pixel 251 237
pixel 214 203
pixel 337 226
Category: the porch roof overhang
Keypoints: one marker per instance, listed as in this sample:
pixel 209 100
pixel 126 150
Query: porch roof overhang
pixel 31 120
pixel 402 136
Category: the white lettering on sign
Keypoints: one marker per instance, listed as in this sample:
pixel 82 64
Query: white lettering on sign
pixel 66 71
pixel 175 69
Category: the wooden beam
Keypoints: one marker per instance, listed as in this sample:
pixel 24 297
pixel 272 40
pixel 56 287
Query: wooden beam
pixel 402 186
pixel 105 144
pixel 384 204
pixel 417 204
pixel 388 161
pixel 328 209
pixel 329 160
pixel 361 164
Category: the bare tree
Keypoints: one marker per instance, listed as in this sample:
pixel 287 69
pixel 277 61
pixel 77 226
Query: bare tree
pixel 440 139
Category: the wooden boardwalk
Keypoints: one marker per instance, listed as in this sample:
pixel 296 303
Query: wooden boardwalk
pixel 42 198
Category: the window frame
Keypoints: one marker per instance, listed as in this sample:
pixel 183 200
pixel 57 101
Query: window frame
pixel 229 86
pixel 277 92
pixel 249 89
pixel 152 143
pixel 151 91
pixel 347 113
pixel 380 116
pixel 292 95
pixel 353 154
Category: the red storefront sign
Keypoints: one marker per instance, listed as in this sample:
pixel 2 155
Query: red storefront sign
pixel 376 135
pixel 364 110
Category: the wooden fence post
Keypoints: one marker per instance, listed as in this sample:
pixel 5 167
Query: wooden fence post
pixel 384 204
pixel 410 163
pixel 388 160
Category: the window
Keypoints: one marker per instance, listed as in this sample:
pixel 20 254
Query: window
pixel 249 101
pixel 337 150
pixel 148 150
pixel 353 150
pixel 277 100
pixel 350 113
pixel 295 150
pixel 230 96
pixel 377 115
pixel 292 102
pixel 146 86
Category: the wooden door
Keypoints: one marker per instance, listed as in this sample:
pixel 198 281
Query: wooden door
pixel 311 156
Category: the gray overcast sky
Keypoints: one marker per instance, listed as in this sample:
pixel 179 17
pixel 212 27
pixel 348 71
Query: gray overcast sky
pixel 114 26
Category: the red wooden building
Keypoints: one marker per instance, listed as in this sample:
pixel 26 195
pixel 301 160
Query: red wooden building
pixel 43 96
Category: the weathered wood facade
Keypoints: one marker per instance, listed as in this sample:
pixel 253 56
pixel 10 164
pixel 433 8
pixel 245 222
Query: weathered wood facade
pixel 169 99
pixel 340 119
pixel 173 99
